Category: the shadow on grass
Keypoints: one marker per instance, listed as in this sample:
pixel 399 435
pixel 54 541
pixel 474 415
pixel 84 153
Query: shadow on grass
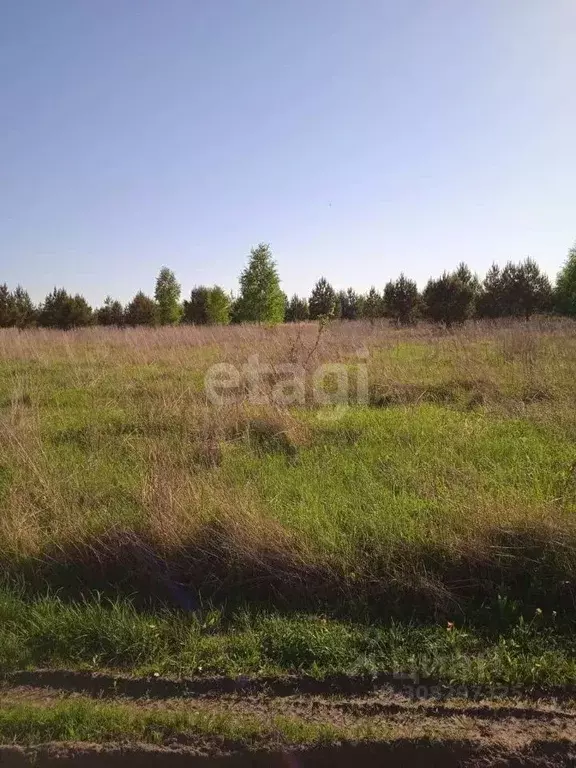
pixel 513 572
pixel 462 392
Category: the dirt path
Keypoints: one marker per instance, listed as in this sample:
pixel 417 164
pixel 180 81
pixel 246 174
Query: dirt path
pixel 402 730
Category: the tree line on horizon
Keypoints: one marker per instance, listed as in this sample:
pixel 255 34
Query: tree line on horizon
pixel 516 290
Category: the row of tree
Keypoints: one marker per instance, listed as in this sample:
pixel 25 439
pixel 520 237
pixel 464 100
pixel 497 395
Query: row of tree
pixel 517 290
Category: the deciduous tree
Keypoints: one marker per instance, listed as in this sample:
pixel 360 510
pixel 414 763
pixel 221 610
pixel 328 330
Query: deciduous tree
pixel 565 293
pixel 261 299
pixel 217 306
pixel 167 295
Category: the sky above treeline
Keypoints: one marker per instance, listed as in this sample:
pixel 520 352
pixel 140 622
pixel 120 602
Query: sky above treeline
pixel 359 138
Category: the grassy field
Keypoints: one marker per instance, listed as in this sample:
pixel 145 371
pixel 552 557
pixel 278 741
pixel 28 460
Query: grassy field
pixel 426 527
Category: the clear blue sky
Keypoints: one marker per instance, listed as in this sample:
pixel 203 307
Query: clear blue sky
pixel 361 138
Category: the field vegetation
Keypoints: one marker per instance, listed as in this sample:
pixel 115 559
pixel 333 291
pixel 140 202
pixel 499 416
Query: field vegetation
pixel 425 529
pixel 453 484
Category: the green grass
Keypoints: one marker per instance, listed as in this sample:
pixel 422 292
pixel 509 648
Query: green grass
pixel 409 473
pixel 96 634
pixel 93 722
pixel 417 506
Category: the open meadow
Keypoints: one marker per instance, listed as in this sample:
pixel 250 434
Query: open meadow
pixel 405 513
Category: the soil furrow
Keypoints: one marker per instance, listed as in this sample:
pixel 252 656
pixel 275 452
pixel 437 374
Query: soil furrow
pixel 386 705
pixel 103 684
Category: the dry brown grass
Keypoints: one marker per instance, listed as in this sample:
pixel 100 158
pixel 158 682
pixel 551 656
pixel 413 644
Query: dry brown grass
pixel 231 343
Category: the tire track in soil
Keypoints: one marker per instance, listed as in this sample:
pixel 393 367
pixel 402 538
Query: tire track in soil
pixel 527 731
pixel 321 709
pixel 101 684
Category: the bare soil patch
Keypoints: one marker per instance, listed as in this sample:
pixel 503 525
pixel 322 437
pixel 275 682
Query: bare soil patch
pixel 400 754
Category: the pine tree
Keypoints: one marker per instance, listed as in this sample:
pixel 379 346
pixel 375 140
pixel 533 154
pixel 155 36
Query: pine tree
pixel 373 305
pixel 6 307
pixel 525 290
pixel 142 310
pixel 322 302
pixel 518 290
pixel 195 308
pixel 465 274
pixel 490 302
pixel 64 311
pixel 111 313
pixel 401 300
pixel 261 300
pixel 24 312
pixel 167 295
pixel 297 310
pixel 350 305
pixel 448 300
